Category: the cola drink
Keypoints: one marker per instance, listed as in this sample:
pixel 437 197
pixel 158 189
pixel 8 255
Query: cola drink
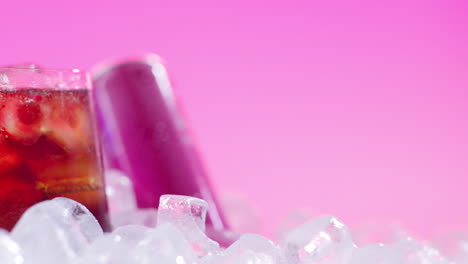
pixel 47 142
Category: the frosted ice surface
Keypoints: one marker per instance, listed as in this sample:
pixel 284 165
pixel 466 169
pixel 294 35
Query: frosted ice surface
pixel 292 220
pixel 119 191
pixel 10 252
pixel 62 231
pixel 414 252
pixel 116 248
pixel 188 214
pixel 254 243
pixel 140 245
pixel 322 240
pixel 55 231
pixel 454 245
pixel 144 217
pixel 374 233
pixel 249 248
pixel 183 210
pixel 107 249
pixel 131 233
pixel 376 254
pixel 122 202
pixel 166 244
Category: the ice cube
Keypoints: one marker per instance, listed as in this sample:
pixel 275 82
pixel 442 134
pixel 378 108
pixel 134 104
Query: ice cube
pixel 184 210
pixel 122 202
pixel 116 247
pixel 292 220
pixel 414 252
pixel 10 252
pixel 107 249
pixel 55 231
pixel 131 233
pixel 188 215
pixel 21 117
pixel 140 245
pixel 376 254
pixel 249 248
pixel 454 245
pixel 144 217
pixel 166 244
pixel 67 122
pixel 322 240
pixel 119 191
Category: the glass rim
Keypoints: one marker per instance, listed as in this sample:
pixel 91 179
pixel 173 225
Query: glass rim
pixel 31 76
pixel 26 68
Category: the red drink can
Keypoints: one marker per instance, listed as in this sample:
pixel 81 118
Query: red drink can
pixel 48 145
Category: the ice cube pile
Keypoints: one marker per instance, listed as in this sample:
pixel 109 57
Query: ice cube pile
pixel 64 231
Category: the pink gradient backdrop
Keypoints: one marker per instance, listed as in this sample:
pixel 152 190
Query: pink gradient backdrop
pixel 354 108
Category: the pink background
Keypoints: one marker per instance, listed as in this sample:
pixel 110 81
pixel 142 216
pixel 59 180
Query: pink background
pixel 353 108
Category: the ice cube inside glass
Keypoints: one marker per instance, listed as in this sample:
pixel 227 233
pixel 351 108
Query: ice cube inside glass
pixel 48 146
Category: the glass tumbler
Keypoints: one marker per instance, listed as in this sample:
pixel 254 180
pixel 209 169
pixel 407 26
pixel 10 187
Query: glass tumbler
pixel 48 146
